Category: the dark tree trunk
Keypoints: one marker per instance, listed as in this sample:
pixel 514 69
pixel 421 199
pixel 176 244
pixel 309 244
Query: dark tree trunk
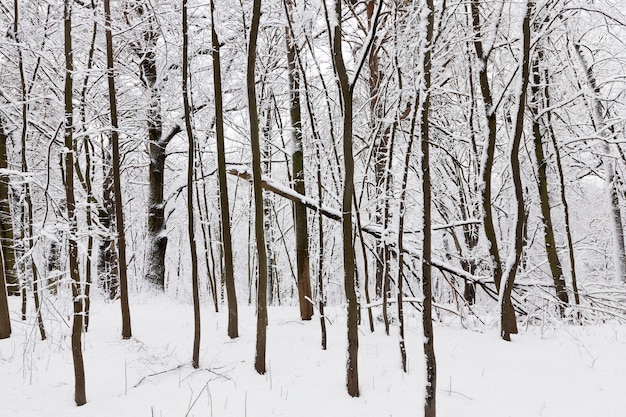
pixel 508 324
pixel 7 239
pixel 77 325
pixel 190 212
pixel 490 147
pixel 300 216
pixel 5 318
pixel 117 188
pixel 227 246
pixel 352 366
pixel 107 254
pixel 544 198
pixel 427 319
pixel 253 114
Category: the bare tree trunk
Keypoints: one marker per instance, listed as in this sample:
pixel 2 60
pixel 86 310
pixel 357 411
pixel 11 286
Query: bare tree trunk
pixel 7 240
pixel 253 114
pixel 5 317
pixel 91 199
pixel 597 111
pixel 77 325
pixel 427 319
pixel 508 324
pixel 557 156
pixel 27 209
pixel 227 246
pixel 190 215
pixel 490 147
pixel 117 188
pixel 300 216
pixel 352 369
pixel 107 254
pixel 156 239
pixel 544 198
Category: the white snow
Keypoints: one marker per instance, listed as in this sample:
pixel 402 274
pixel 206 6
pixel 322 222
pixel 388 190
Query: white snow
pixel 546 371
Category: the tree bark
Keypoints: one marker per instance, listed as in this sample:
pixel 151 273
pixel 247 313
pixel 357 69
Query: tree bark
pixel 490 147
pixel 300 215
pixel 544 198
pixel 253 115
pixel 352 370
pixel 7 239
pixel 227 246
pixel 70 202
pixel 5 317
pixel 427 319
pixel 117 188
pixel 190 212
pixel 508 324
pixel 597 110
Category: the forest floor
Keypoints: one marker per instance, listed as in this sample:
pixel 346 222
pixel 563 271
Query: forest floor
pixel 556 370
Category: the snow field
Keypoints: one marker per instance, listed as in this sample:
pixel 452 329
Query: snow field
pixel 569 371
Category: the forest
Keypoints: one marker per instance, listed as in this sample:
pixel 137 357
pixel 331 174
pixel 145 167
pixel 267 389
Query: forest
pixel 312 207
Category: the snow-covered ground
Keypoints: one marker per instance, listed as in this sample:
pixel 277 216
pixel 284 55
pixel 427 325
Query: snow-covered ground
pixel 546 371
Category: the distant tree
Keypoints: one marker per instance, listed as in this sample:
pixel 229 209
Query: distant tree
pixel 604 132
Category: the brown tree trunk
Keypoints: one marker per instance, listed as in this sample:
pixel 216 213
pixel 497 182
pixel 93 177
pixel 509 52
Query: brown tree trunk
pixel 427 319
pixel 7 239
pixel 490 148
pixel 77 325
pixel 227 246
pixel 300 216
pixel 508 324
pixel 253 115
pixel 190 212
pixel 544 198
pixel 117 188
pixel 5 317
pixel 352 369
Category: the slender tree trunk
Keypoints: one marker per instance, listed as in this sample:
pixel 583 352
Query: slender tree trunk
pixel 597 111
pixel 27 209
pixel 544 198
pixel 320 268
pixel 5 317
pixel 490 147
pixel 508 323
pixel 557 156
pixel 352 369
pixel 190 205
pixel 91 199
pixel 7 240
pixel 261 324
pixel 117 188
pixel 427 319
pixel 300 216
pixel 77 325
pixel 227 246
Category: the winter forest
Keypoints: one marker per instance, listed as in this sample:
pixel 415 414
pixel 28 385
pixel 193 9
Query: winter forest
pixel 312 207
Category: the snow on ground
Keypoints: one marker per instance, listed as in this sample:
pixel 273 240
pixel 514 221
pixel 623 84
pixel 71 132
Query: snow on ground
pixel 546 371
